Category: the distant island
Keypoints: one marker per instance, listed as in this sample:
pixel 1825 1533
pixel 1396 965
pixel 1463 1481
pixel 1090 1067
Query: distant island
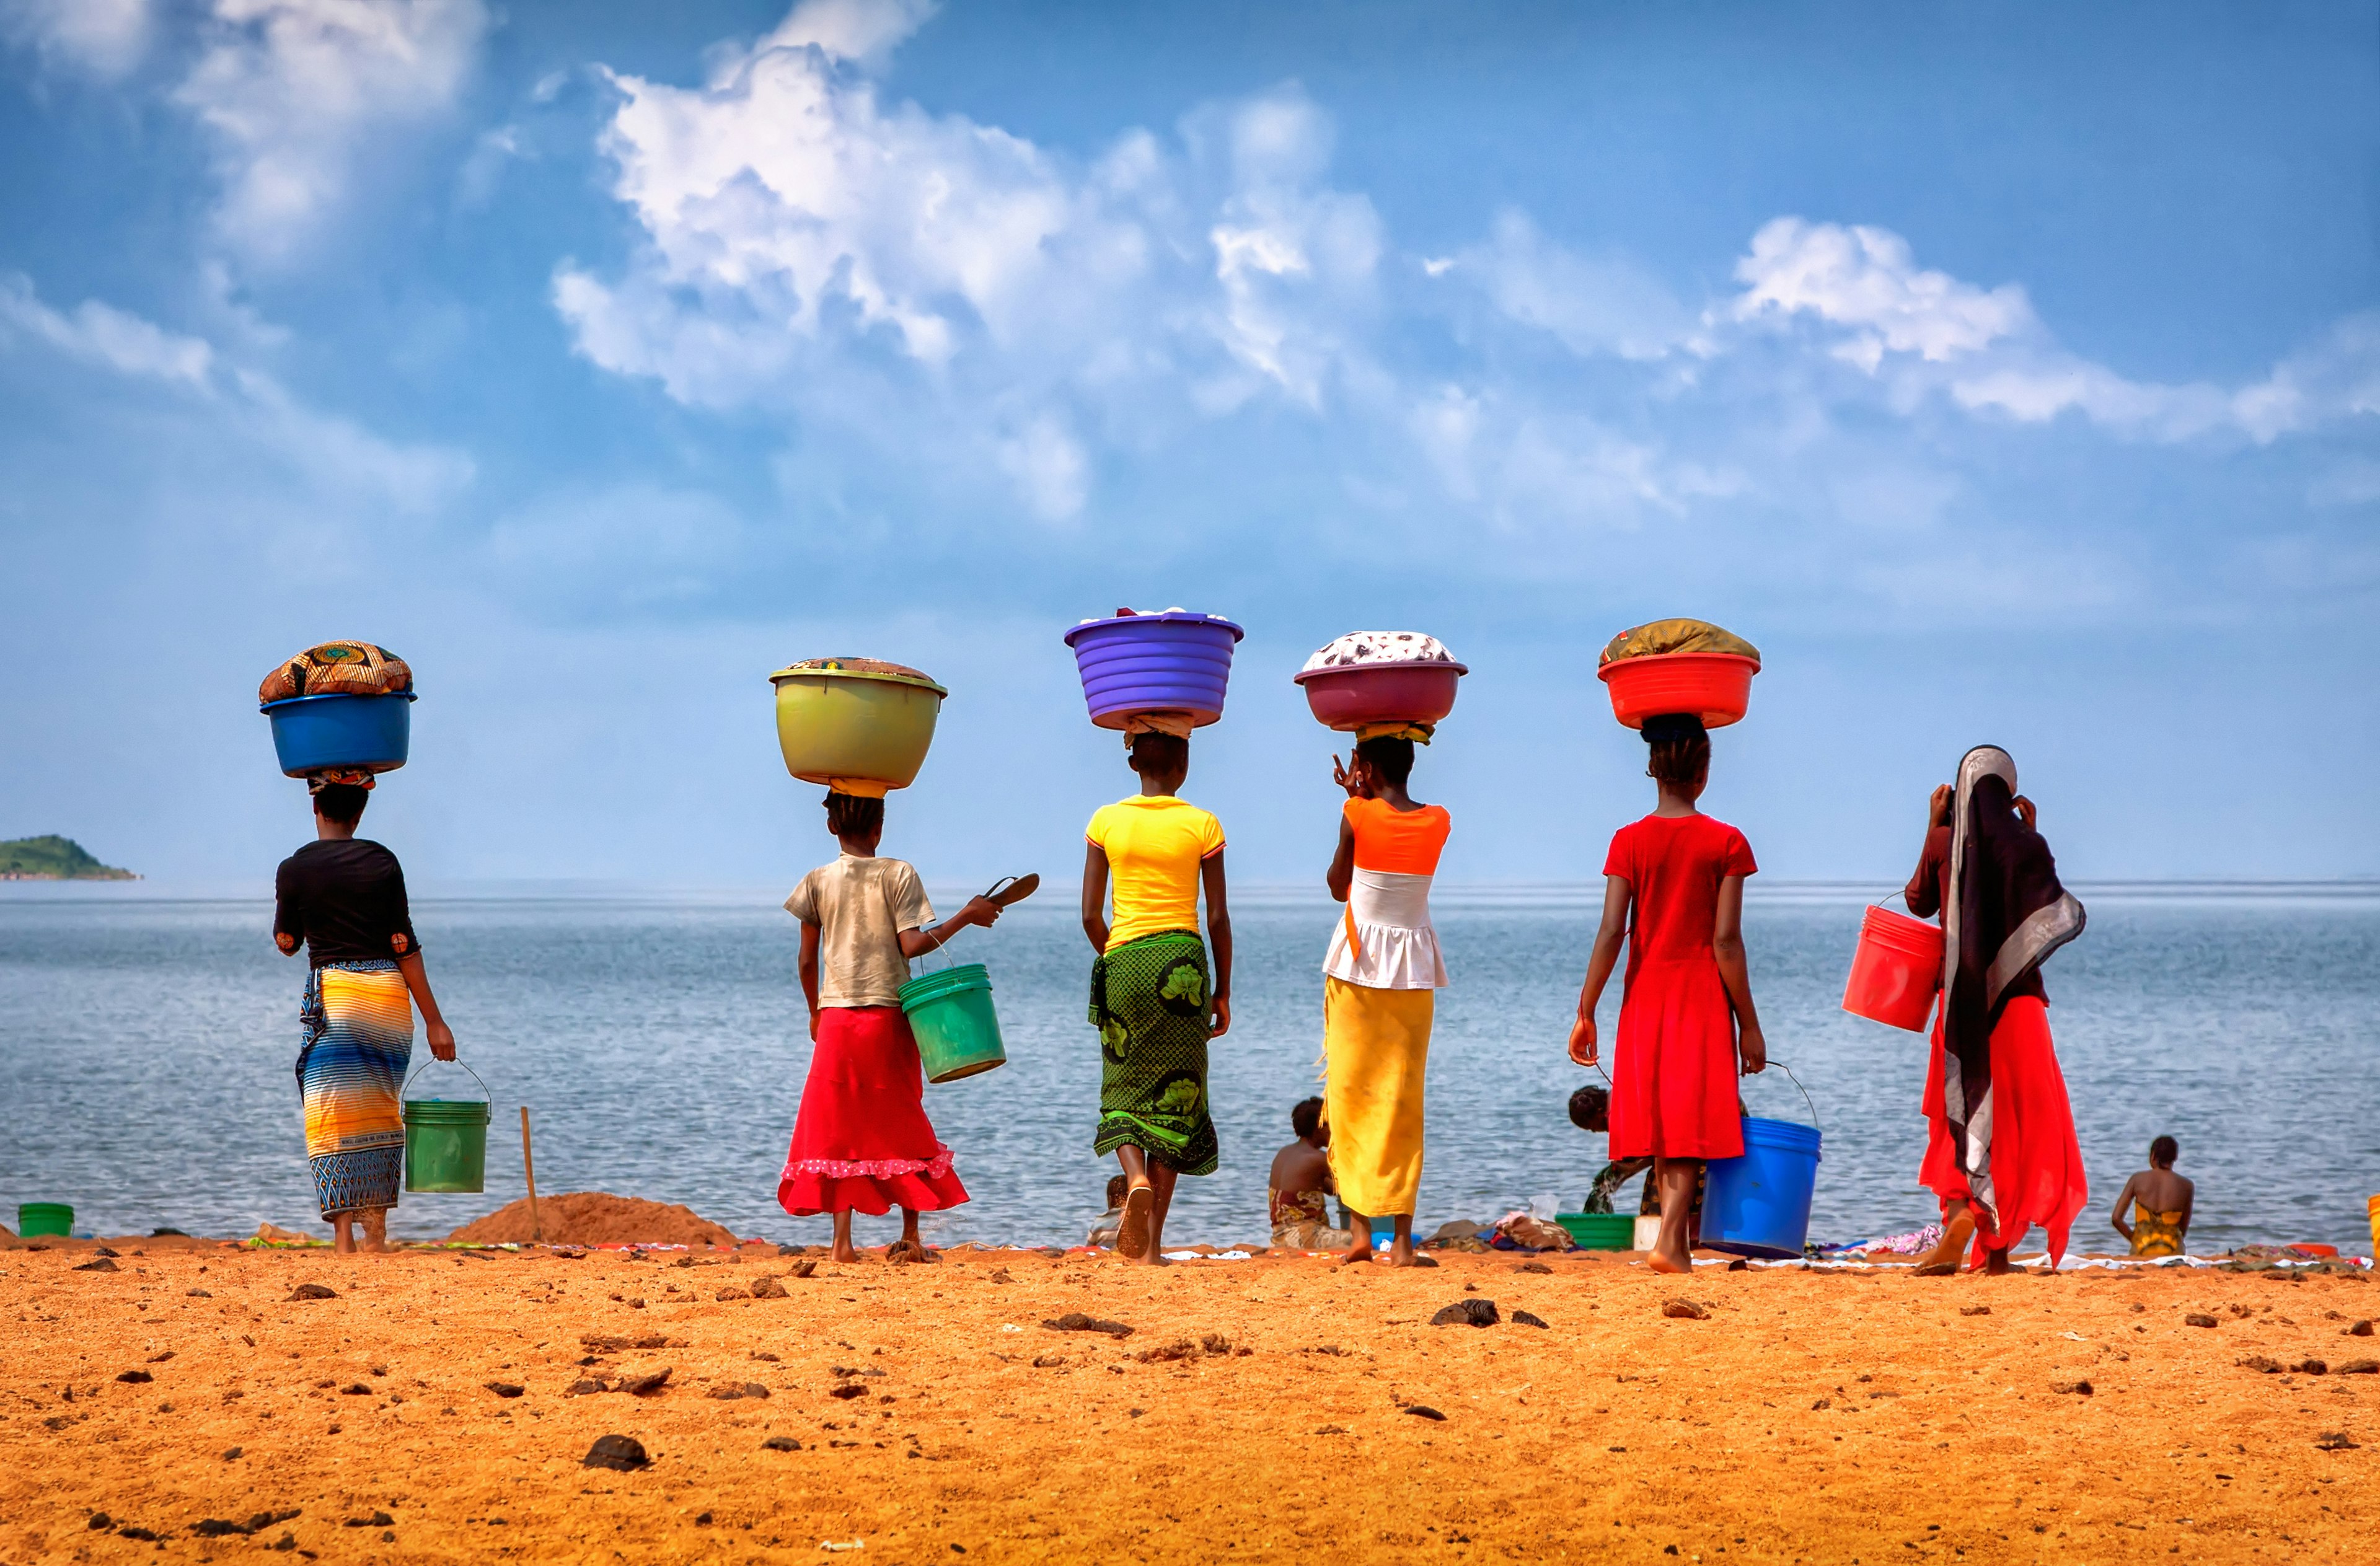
pixel 54 858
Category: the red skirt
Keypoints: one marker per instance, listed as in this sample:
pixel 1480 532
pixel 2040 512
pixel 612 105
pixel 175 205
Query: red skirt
pixel 2036 1162
pixel 1673 1076
pixel 862 1139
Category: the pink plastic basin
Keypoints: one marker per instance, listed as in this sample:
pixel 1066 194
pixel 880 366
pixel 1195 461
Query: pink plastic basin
pixel 1352 694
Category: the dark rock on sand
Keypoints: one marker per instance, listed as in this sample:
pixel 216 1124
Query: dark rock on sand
pixel 2332 1440
pixel 768 1289
pixel 1047 1361
pixel 2360 1329
pixel 743 1390
pixel 200 1295
pixel 314 1291
pixel 355 1390
pixel 101 1265
pixel 586 1386
pixel 622 1455
pixel 2258 1362
pixel 2311 1367
pixel 104 1251
pixel 145 1535
pixel 1529 1318
pixel 136 1377
pixel 1075 1321
pixel 780 1443
pixel 1532 1267
pixel 803 1269
pixel 101 1519
pixel 1684 1309
pixel 2198 1318
pixel 645 1386
pixel 377 1520
pixel 1423 1411
pixel 1466 1312
pixel 1975 1310
pixel 231 1454
pixel 502 1388
pixel 733 1293
pixel 2361 1367
pixel 160 1358
pixel 2080 1389
pixel 847 1390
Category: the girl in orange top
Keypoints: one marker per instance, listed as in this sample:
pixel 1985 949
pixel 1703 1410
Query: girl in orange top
pixel 1686 1016
pixel 1380 991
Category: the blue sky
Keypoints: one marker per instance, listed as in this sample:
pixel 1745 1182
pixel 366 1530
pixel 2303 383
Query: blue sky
pixel 2008 374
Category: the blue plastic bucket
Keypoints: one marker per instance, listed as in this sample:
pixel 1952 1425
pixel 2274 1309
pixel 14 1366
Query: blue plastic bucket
pixel 1175 661
pixel 310 732
pixel 1758 1204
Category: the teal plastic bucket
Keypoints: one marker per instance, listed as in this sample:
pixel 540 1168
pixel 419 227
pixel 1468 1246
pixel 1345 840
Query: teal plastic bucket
pixel 951 1012
pixel 1599 1230
pixel 52 1219
pixel 1758 1204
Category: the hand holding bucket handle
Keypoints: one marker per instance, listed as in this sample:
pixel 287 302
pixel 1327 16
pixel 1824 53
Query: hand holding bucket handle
pixel 983 910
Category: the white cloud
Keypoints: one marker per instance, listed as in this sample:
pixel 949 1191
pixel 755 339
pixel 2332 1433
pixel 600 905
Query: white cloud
pixel 294 91
pixel 247 402
pixel 106 38
pixel 1595 305
pixel 805 236
pixel 1865 279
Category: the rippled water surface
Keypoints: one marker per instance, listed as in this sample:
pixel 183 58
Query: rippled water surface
pixel 146 1047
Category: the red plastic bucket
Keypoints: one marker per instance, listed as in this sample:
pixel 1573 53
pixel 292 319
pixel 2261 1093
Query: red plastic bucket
pixel 1896 971
pixel 1715 687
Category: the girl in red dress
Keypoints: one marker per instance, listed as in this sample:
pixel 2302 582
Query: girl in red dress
pixel 1673 885
pixel 861 1140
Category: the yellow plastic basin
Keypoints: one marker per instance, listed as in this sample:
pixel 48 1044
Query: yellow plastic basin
pixel 855 718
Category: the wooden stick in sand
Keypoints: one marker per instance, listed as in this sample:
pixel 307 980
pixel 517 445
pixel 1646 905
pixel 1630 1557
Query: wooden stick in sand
pixel 528 1167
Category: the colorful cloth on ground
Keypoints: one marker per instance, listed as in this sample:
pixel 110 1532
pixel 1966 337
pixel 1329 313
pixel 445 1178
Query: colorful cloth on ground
pixel 1385 940
pixel 1613 1175
pixel 356 1038
pixel 2003 913
pixel 2036 1164
pixel 1150 1003
pixel 1155 844
pixel 2155 1234
pixel 1300 1221
pixel 861 1138
pixel 1377 1045
pixel 1674 1066
pixel 861 905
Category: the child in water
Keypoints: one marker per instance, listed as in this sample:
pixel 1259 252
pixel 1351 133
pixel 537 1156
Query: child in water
pixel 2162 1201
pixel 1673 887
pixel 861 1139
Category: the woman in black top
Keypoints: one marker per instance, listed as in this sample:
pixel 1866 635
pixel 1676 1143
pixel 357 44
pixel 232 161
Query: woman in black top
pixel 343 898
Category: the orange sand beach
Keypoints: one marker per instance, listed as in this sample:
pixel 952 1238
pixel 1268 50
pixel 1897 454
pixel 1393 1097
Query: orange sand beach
pixel 438 1405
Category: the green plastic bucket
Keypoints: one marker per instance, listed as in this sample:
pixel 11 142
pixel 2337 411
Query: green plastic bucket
pixel 1599 1230
pixel 44 1218
pixel 446 1143
pixel 951 1012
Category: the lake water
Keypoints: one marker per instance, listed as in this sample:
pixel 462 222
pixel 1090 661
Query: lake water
pixel 146 1045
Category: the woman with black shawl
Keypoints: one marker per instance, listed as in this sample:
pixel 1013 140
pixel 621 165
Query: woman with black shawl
pixel 2001 1149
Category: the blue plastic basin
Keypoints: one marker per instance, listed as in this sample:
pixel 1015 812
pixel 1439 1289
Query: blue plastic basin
pixel 1758 1204
pixel 310 732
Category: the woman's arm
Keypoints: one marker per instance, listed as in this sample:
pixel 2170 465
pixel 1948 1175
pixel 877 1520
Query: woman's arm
pixel 1599 963
pixel 417 980
pixel 1343 864
pixel 1727 944
pixel 1219 936
pixel 1924 892
pixel 2189 1206
pixel 807 966
pixel 2123 1202
pixel 1095 895
pixel 978 911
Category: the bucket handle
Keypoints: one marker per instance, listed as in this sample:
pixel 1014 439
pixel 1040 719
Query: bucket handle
pixel 425 1066
pixel 1796 1081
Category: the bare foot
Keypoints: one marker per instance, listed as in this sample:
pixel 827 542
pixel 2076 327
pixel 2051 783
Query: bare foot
pixel 1996 1264
pixel 1662 1261
pixel 343 1236
pixel 1354 1253
pixel 1150 1257
pixel 843 1252
pixel 1945 1259
pixel 1400 1251
pixel 376 1231
pixel 1132 1233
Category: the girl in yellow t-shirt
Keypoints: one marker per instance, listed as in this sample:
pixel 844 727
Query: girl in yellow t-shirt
pixel 1151 999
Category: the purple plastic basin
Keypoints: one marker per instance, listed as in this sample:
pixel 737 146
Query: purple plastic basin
pixel 1173 661
pixel 1353 694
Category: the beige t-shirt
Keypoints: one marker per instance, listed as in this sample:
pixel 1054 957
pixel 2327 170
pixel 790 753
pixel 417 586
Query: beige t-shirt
pixel 861 906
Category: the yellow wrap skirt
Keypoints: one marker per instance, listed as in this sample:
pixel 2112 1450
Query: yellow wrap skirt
pixel 1376 1051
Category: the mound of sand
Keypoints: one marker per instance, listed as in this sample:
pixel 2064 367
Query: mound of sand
pixel 596 1217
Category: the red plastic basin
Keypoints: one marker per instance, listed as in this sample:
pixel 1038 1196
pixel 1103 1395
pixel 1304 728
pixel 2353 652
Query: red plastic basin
pixel 1718 686
pixel 1896 970
pixel 1350 695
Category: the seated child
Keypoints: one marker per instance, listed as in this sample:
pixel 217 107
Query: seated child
pixel 1111 1222
pixel 1301 1185
pixel 1590 1109
pixel 2161 1201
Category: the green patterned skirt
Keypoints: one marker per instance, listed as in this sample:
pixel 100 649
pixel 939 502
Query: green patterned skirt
pixel 1150 1003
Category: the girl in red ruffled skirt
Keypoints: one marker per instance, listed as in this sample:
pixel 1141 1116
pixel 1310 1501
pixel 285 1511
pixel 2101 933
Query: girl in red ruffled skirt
pixel 861 1140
